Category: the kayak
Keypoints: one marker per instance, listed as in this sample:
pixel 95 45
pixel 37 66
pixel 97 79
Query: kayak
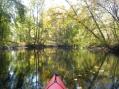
pixel 55 83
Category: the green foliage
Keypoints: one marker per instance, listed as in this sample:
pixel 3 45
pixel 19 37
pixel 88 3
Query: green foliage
pixel 7 16
pixel 85 24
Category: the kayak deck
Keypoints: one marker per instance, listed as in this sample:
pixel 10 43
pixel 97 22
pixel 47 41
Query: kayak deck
pixel 55 83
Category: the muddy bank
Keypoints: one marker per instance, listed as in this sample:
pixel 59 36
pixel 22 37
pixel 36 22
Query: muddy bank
pixel 66 47
pixel 37 47
pixel 114 49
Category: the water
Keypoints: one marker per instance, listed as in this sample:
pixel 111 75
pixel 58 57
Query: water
pixel 79 69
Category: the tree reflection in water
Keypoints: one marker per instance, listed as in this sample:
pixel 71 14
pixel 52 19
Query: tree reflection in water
pixel 31 69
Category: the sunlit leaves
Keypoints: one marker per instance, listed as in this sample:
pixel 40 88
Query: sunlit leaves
pixel 7 16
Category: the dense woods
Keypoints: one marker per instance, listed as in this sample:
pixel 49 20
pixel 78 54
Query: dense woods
pixel 86 23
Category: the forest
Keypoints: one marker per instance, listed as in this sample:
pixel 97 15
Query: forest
pixel 88 23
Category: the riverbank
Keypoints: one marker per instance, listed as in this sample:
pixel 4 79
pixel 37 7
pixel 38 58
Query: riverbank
pixel 36 46
pixel 114 49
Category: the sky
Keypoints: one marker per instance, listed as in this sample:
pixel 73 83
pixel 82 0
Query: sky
pixel 53 3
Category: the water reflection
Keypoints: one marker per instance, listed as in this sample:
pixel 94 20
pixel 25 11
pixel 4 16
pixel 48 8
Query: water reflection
pixel 25 69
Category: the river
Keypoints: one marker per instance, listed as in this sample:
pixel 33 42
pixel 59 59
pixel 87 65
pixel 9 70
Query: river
pixel 31 69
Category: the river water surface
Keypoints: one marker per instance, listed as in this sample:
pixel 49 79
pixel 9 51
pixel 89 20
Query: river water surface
pixel 31 69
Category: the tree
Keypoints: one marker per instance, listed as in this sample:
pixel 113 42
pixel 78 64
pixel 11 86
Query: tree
pixel 8 11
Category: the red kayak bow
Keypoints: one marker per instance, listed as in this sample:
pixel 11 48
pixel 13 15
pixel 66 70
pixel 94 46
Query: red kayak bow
pixel 55 83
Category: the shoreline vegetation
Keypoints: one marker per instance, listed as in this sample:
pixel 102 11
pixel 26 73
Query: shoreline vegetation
pixel 113 49
pixel 37 47
pixel 81 24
